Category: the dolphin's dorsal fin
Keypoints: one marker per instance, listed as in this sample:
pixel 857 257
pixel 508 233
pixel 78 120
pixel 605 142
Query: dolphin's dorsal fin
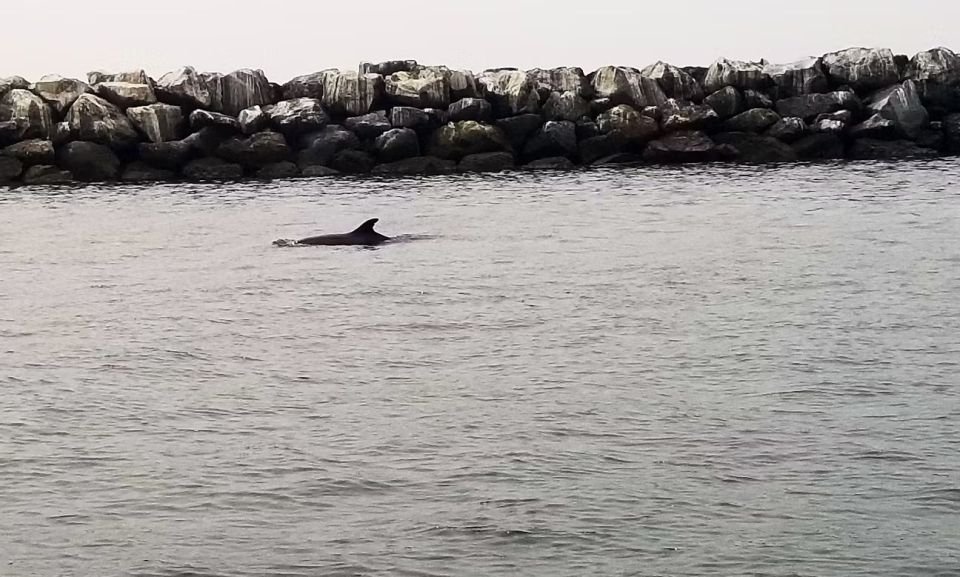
pixel 367 227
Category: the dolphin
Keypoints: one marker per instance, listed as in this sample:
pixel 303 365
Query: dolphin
pixel 363 235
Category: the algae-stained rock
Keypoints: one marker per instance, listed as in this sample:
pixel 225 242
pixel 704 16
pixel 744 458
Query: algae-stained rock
pixel 739 75
pixel 685 116
pixel 308 85
pixel 158 122
pixel 470 109
pixel 726 102
pixel 901 104
pixel 30 115
pixel 94 119
pixel 487 162
pixel 564 79
pixel 89 161
pixel 213 169
pixel 184 87
pixel 798 78
pixel 754 120
pixel 255 151
pixel 627 86
pixel 820 146
pixel 756 149
pixel 352 162
pixel 397 144
pixel 143 172
pixel 369 125
pixel 631 125
pixel 45 174
pixel 556 138
pixel 299 116
pixel 862 68
pixel 254 119
pixel 459 139
pixel 518 129
pixel 511 92
pixel 939 65
pixel 674 82
pixel 320 147
pixel 788 129
pixel 415 166
pixel 682 147
pixel 168 155
pixel 550 163
pixel 870 149
pixel 565 106
pixel 352 94
pixel 59 92
pixel 30 152
pixel 810 106
pixel 200 119
pixel 409 117
pixel 276 170
pixel 422 88
pixel 243 89
pixel 126 94
pixel 10 169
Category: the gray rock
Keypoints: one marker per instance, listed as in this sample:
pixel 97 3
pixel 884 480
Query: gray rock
pixel 131 76
pixel 30 152
pixel 59 92
pixel 158 122
pixel 12 83
pixel 93 119
pixel 829 124
pixel 254 119
pixel 876 127
pixel 869 149
pixel 511 92
pixel 470 109
pixel 352 162
pixel 297 117
pixel 754 149
pixel 143 172
pixel 810 106
pixel 10 169
pixel 44 174
pixel 676 116
pixel 682 147
pixel 939 65
pixel 320 147
pixel 409 117
pixel 422 88
pixel 459 139
pixel 126 94
pixel 674 82
pixel 207 140
pixel 389 67
pixel 755 99
pixel 463 84
pixel 519 129
pixel 243 89
pixel 30 115
pixel 862 68
pixel 821 146
pixel 316 170
pixel 397 144
pixel 565 79
pixel 788 129
pixel 603 146
pixel 308 85
pixel 369 125
pixel 184 87
pixel 213 169
pixel 630 125
pixel 204 118
pixel 214 83
pixel 278 170
pixel 755 120
pixel 352 94
pixel 621 85
pixel 798 78
pixel 556 138
pixel 901 104
pixel 551 163
pixel 565 106
pixel 415 166
pixel 487 162
pixel 168 155
pixel 255 151
pixel 726 102
pixel 739 75
pixel 587 128
pixel 89 161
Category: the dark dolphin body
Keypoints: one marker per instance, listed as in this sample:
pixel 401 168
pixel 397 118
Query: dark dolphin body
pixel 364 235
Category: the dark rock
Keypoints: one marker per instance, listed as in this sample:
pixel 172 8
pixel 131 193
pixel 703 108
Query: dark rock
pixel 876 127
pixel 437 117
pixel 369 125
pixel 168 155
pixel 511 92
pixel 933 137
pixel 320 147
pixel 389 67
pixel 8 132
pixel 755 149
pixel 409 117
pixel 951 130
pixel 551 163
pixel 255 151
pixel 243 89
pixel 600 105
pixel 698 73
pixel 674 82
pixel 681 147
pixel 204 118
pixel 316 170
pixel 422 88
pixel 29 113
pixel 352 94
pixel 184 87
pixel 593 149
pixel 470 109
pixel 487 162
pixel 654 112
pixel 586 128
pixel 822 146
pixel 788 129
pixel 94 119
pixel 31 152
pixel 901 104
pixel 307 86
pixel 89 161
pixel 283 169
pixel 10 169
pixel 397 144
pixel 13 83
pixel 207 140
pixel 519 129
pixel 939 65
pixel 158 122
pixel 44 174
pixel 416 165
pixel 61 133
pixel 131 77
pixel 556 138
pixel 727 102
pixel 294 118
pixel 676 116
pixel 142 172
pixel 214 84
pixel 254 119
pixel 352 162
pixel 755 99
pixel 739 75
pixel 810 106
pixel 938 99
pixel 127 94
pixel 459 139
pixel 862 68
pixel 754 120
pixel 618 159
pixel 565 106
pixel 869 149
pixel 798 78
pixel 626 86
pixel 633 127
pixel 212 169
pixel 59 92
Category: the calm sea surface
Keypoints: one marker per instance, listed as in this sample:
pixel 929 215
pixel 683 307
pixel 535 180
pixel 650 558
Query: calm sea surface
pixel 652 372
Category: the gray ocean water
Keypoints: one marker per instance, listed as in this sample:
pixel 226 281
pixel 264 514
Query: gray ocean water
pixel 644 372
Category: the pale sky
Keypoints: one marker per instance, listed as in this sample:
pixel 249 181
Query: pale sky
pixel 289 38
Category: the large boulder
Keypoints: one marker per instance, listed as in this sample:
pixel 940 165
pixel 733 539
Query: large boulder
pixel 876 127
pixel 370 125
pixel 809 106
pixel 158 122
pixel 143 172
pixel 726 102
pixel 755 149
pixel 819 146
pixel 459 139
pixel 214 83
pixel 551 163
pixel 254 119
pixel 10 169
pixel 213 169
pixel 869 149
pixel 308 85
pixel 352 162
pixel 59 92
pixel 597 147
pixel 565 79
pixel 864 69
pixel 788 129
pixel 45 174
pixel 511 92
pixel 397 144
pixel 674 82
pixel 798 78
pixel 756 99
pixel 184 87
pixel 416 166
pixel 951 130
pixel 681 147
pixel 89 161
pixel 200 119
pixel 901 104
pixel 126 94
pixel 631 126
pixel 470 109
pixel 740 75
pixel 30 152
pixel 255 151
pixel 243 89
pixel 832 123
pixel 519 129
pixel 94 119
pixel 622 85
pixel 167 155
pixel 422 88
pixel 463 84
pixel 410 117
pixel 352 94
pixel 685 116
pixel 565 106
pixel 487 162
pixel 556 138
pixel 939 65
pixel 13 83
pixel 320 147
pixel 29 114
pixel 207 140
pixel 389 67
pixel 276 170
pixel 299 116
pixel 755 120
pixel 132 76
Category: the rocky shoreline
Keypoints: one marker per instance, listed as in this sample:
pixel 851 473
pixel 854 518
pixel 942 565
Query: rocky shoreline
pixel 401 118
